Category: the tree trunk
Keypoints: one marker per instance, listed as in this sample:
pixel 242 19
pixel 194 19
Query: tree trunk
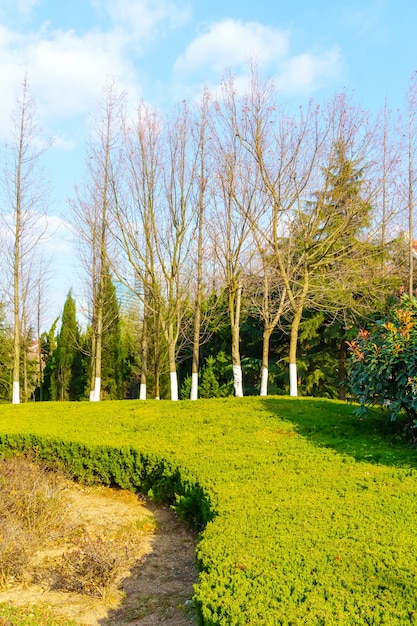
pixel 25 376
pixel 93 361
pixel 173 372
pixel 16 349
pixel 293 351
pixel 144 362
pixel 99 339
pixel 265 361
pixel 197 316
pixel 16 276
pixel 342 370
pixel 235 305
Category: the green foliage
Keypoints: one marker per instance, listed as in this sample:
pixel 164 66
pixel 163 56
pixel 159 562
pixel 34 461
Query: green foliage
pixel 5 357
pixel 383 362
pixel 209 386
pixel 112 353
pixel 305 512
pixel 48 345
pixel 67 376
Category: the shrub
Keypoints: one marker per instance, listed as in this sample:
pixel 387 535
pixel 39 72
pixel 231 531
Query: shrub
pixel 209 386
pixel 32 512
pixel 94 568
pixel 383 363
pixel 33 497
pixel 14 553
pixel 313 509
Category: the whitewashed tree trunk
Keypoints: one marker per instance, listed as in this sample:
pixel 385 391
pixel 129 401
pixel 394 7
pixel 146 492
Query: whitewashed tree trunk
pixel 174 385
pixel 142 391
pixel 264 382
pixel 293 379
pixel 294 340
pixel 194 386
pixel 16 393
pixel 96 392
pixel 237 381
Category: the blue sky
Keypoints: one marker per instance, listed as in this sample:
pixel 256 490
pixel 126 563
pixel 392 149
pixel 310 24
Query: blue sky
pixel 165 51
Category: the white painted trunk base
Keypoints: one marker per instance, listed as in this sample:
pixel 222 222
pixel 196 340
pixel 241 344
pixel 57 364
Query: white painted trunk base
pixel 174 386
pixel 194 386
pixel 16 393
pixel 293 380
pixel 95 393
pixel 264 382
pixel 237 381
pixel 142 391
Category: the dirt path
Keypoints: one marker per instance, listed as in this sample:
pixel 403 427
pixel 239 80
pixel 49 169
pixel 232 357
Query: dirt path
pixel 156 590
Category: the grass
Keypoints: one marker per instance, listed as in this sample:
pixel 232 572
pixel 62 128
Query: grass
pixel 315 510
pixel 30 616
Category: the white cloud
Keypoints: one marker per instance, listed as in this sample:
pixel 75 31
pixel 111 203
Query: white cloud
pixel 306 72
pixel 143 19
pixel 66 72
pixel 59 235
pixel 70 71
pixel 232 43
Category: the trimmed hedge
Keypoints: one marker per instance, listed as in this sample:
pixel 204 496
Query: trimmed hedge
pixel 307 515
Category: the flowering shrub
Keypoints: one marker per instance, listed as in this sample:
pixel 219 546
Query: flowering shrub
pixel 383 363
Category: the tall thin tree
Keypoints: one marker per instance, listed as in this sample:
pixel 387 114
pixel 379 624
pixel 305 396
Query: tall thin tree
pixel 24 213
pixel 91 210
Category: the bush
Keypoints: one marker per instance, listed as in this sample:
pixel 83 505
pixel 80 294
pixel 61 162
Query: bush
pixel 95 568
pixel 32 513
pixel 305 512
pixel 382 367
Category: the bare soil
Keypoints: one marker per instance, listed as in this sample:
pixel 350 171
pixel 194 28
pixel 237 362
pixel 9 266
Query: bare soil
pixel 157 589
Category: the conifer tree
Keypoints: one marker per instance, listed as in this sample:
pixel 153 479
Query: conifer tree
pixel 112 356
pixel 66 367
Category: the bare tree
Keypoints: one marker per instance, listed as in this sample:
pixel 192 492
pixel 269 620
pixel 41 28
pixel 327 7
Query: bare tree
pixel 411 141
pixel 285 151
pixel 200 134
pixel 235 208
pixel 91 210
pixel 309 167
pixel 153 221
pixel 268 301
pixel 24 213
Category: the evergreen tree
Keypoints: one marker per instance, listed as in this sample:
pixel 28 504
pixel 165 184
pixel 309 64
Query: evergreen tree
pixel 112 345
pixel 48 346
pixel 5 356
pixel 67 366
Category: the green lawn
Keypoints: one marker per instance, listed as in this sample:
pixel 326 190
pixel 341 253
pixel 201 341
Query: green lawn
pixel 313 512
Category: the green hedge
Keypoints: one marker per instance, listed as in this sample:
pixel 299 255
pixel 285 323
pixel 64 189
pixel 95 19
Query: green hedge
pixel 308 514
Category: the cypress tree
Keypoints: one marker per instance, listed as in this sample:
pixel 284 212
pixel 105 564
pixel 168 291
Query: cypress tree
pixel 112 350
pixel 67 365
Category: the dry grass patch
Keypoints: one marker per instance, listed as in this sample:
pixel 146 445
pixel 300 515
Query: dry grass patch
pixel 41 541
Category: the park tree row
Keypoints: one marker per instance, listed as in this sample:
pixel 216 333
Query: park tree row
pixel 286 217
